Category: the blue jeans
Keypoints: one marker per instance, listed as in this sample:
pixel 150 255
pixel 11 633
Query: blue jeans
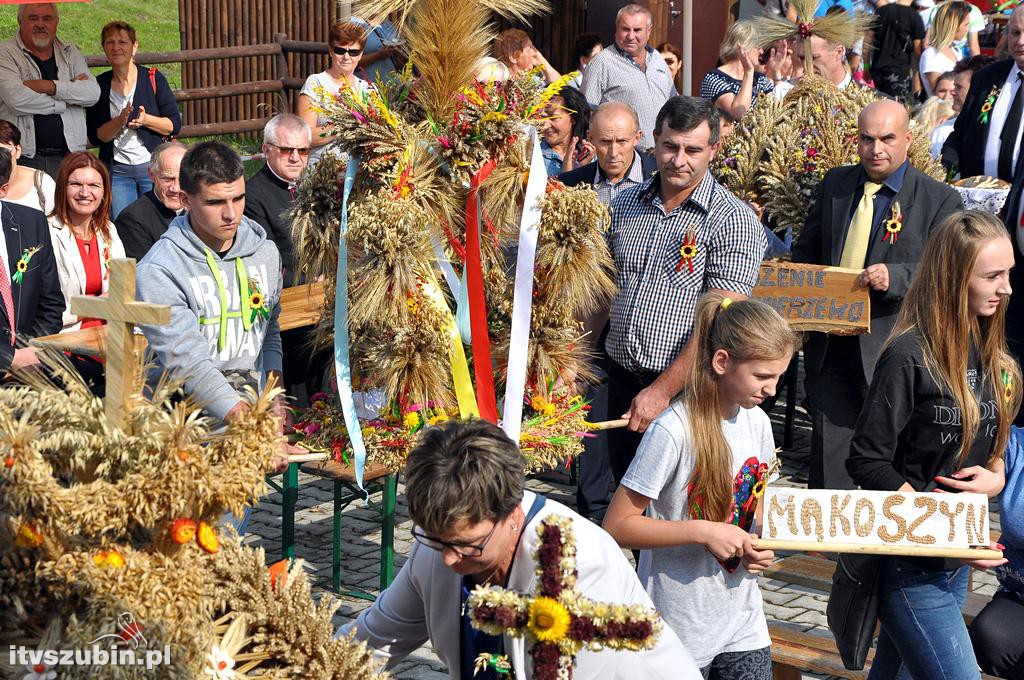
pixel 128 184
pixel 923 633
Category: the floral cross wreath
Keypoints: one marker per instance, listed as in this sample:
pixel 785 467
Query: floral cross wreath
pixel 557 618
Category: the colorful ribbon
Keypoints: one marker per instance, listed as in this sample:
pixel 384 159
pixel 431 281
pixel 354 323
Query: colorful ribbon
pixel 522 301
pixel 456 356
pixel 474 283
pixel 342 366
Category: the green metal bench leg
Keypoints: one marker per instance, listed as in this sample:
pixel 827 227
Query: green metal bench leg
pixel 387 531
pixel 336 542
pixel 289 497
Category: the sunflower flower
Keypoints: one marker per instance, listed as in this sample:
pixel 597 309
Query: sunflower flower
pixel 549 620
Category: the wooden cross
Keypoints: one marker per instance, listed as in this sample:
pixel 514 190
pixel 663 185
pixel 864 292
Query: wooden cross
pixel 557 618
pixel 121 312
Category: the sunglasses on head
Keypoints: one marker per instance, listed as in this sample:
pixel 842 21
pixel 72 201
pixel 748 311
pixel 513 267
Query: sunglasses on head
pixel 350 51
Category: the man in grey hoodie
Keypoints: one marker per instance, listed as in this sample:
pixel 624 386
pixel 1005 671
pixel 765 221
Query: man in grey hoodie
pixel 221 276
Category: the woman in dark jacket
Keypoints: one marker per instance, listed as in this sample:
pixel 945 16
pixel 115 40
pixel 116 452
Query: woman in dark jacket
pixel 937 417
pixel 136 111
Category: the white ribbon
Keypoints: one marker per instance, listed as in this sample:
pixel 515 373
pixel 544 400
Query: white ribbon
pixel 522 301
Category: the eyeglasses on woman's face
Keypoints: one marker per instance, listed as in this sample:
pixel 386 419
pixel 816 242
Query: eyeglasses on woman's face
pixel 458 547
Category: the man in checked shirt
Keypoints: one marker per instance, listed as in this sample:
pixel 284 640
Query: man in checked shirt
pixel 673 237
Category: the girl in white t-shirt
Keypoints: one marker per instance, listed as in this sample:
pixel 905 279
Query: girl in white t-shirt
pixel 346 43
pixel 689 499
pixel 951 23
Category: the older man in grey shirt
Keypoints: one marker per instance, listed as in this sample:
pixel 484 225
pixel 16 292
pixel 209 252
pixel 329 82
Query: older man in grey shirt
pixel 45 87
pixel 631 71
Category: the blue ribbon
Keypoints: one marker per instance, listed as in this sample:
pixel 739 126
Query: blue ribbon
pixel 342 366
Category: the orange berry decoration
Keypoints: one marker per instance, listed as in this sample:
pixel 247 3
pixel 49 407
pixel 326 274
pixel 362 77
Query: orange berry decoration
pixel 183 530
pixel 28 536
pixel 278 574
pixel 108 558
pixel 207 538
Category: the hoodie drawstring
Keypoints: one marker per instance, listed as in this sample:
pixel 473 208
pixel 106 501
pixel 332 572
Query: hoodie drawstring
pixel 244 294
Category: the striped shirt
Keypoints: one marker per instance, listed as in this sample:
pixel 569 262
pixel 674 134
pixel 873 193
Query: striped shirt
pixel 607 191
pixel 613 76
pixel 653 313
pixel 718 82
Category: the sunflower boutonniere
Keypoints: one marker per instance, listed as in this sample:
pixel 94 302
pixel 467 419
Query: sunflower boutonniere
pixel 22 265
pixel 986 107
pixel 688 250
pixel 894 224
pixel 257 302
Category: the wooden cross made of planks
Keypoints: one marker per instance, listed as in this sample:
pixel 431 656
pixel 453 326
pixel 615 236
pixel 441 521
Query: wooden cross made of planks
pixel 121 312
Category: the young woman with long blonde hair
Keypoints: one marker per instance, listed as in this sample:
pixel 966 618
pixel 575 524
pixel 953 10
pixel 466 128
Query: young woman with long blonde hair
pixel 952 21
pixel 697 475
pixel 937 417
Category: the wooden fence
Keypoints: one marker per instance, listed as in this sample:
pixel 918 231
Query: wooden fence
pixel 237 72
pixel 228 108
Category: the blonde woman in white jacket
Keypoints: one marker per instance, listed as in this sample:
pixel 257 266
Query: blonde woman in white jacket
pixel 83 237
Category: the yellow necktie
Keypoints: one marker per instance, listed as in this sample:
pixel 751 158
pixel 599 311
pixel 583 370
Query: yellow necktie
pixel 855 250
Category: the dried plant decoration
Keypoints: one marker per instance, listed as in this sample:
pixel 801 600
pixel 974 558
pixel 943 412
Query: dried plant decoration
pixel 420 141
pixel 97 524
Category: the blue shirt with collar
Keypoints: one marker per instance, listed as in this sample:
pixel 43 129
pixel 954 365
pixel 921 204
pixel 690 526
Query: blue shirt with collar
pixel 883 199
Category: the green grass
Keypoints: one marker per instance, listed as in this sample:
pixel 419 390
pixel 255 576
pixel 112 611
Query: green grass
pixel 155 21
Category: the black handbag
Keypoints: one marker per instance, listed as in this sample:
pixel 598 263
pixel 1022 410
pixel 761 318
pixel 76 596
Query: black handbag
pixel 852 610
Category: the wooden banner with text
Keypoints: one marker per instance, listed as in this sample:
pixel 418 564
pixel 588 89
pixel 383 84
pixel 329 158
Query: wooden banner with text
pixel 816 298
pixel 876 522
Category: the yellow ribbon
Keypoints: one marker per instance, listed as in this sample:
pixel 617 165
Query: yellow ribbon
pixel 456 356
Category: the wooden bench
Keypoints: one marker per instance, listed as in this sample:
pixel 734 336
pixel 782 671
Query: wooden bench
pixel 345 492
pixel 793 651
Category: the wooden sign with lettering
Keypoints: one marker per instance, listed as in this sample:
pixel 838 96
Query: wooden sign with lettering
pixel 878 522
pixel 816 298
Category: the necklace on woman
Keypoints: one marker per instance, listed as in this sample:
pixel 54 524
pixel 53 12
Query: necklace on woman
pixel 506 561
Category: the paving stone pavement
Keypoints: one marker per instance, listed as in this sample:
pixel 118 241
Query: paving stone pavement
pixel 797 606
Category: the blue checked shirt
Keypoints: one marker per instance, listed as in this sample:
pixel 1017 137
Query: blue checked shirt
pixel 653 313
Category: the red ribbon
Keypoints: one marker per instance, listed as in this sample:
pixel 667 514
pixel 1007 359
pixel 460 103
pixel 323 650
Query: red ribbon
pixel 805 30
pixel 485 399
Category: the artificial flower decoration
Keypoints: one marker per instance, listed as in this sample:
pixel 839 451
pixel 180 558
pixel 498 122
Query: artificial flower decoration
pixel 22 264
pixel 183 530
pixel 207 538
pixel 257 302
pixel 220 665
pixel 557 619
pixel 688 250
pixel 108 558
pixel 1007 387
pixel 39 671
pixel 28 536
pixel 986 107
pixel 894 224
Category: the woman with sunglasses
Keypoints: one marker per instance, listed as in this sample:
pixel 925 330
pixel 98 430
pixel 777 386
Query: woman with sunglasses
pixel 475 525
pixel 346 42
